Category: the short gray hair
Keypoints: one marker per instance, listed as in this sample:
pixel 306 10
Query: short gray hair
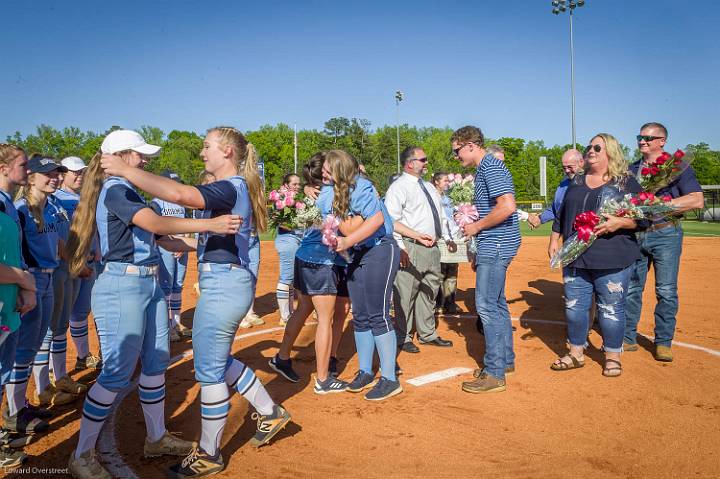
pixel 494 149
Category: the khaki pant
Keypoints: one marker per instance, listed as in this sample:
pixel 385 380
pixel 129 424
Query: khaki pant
pixel 416 287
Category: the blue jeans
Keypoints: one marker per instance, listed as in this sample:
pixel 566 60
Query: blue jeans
pixel 610 287
pixel 172 272
pixel 225 299
pixel 662 249
pixel 286 245
pixel 131 317
pixel 254 254
pixel 494 314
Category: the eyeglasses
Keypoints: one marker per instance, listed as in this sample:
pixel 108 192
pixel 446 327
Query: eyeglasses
pixel 456 151
pixel 647 138
pixel 596 148
pixel 421 160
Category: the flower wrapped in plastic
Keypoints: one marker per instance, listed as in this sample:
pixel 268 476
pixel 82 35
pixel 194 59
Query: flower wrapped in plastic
pixel 462 193
pixel 329 230
pixel 653 207
pixel 659 173
pixel 612 203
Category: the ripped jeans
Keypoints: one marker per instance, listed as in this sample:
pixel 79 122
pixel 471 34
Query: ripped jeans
pixel 610 287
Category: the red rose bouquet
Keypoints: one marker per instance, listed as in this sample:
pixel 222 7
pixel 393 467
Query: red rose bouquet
pixel 661 172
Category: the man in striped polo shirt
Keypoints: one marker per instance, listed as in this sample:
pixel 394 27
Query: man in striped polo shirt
pixel 497 237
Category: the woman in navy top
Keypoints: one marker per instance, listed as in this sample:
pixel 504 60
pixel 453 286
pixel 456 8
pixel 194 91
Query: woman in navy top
pixel 603 270
pixel 223 265
pixel 371 274
pixel 127 302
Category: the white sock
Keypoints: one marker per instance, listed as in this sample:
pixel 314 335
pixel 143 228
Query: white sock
pixel 16 387
pixel 152 398
pixel 95 411
pixel 282 292
pixel 214 407
pixel 175 304
pixel 41 363
pixel 58 355
pixel 79 333
pixel 243 380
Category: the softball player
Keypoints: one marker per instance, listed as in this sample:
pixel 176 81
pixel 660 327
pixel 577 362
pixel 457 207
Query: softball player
pixel 287 242
pixel 128 305
pixel 69 196
pixel 224 273
pixel 40 221
pixel 172 267
pixel 371 274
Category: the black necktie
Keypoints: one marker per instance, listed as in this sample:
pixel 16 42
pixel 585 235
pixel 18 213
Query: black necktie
pixel 436 216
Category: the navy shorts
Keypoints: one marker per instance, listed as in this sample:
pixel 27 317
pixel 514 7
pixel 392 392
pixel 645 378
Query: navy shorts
pixel 314 279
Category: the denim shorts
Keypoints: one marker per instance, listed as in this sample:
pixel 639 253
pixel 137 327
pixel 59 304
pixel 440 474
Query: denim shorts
pixel 313 279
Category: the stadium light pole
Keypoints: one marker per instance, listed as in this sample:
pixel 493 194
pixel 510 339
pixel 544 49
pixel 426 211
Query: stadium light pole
pixel 398 99
pixel 561 6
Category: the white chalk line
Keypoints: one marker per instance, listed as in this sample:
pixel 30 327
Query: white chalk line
pixel 107 445
pixel 438 376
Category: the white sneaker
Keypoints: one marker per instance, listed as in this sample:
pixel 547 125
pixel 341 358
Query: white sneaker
pixel 255 320
pixel 246 323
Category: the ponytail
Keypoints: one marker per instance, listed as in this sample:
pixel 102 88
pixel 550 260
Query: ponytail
pixel 36 207
pixel 83 226
pixel 255 189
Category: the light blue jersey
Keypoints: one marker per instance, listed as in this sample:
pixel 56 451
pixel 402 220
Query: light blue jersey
pixel 165 208
pixel 365 202
pixel 120 240
pixel 312 250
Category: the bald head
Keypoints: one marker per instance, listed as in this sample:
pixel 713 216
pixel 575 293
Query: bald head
pixel 572 162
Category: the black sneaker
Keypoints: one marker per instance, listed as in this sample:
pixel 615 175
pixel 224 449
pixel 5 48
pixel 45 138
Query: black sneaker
pixel 284 367
pixel 197 464
pixel 362 381
pixel 10 458
pixel 13 439
pixel 24 422
pixel 268 426
pixel 39 412
pixel 330 385
pixel 333 367
pixel 384 389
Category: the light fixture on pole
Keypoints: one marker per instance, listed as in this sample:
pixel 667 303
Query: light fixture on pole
pixel 561 6
pixel 398 99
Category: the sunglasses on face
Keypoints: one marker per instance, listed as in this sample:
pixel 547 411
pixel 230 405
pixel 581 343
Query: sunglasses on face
pixel 647 138
pixel 596 148
pixel 421 160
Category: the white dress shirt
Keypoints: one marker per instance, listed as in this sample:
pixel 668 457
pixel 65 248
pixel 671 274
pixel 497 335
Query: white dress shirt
pixel 406 202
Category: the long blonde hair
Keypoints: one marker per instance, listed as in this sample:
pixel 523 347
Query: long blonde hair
pixel 83 227
pixel 8 153
pixel 344 169
pixel 617 164
pixel 35 205
pixel 246 162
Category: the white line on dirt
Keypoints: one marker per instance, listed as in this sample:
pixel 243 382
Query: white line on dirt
pixel 107 445
pixel 438 376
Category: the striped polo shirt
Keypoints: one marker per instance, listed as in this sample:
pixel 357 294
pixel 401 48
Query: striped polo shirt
pixel 492 180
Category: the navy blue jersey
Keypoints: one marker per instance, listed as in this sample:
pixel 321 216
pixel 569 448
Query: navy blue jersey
pixel 40 247
pixel 120 240
pixel 224 197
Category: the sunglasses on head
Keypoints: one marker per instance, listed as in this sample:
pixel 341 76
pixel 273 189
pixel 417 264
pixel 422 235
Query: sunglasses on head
pixel 596 148
pixel 647 138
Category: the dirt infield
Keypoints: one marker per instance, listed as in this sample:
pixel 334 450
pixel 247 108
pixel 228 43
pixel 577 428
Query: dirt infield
pixel 657 420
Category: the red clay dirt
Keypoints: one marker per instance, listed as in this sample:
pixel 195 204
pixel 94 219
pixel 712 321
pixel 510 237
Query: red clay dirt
pixel 656 420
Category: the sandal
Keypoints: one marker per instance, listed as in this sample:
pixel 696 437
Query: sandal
pixel 560 365
pixel 612 371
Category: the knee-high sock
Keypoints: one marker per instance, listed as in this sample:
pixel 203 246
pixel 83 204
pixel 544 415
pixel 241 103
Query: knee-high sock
pixel 58 355
pixel 291 299
pixel 242 379
pixel 95 411
pixel 282 291
pixel 152 398
pixel 79 333
pixel 214 407
pixel 175 305
pixel 41 364
pixel 365 344
pixel 16 387
pixel 386 345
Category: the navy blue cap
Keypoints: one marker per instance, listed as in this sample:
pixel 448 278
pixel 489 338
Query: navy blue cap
pixel 42 164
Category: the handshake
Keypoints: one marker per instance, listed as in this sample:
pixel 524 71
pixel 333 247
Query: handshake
pixel 534 220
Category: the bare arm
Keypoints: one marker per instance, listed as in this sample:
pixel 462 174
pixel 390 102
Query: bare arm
pixel 688 202
pixel 504 207
pixel 158 186
pixel 369 226
pixel 148 220
pixel 178 244
pixel 554 245
pixel 13 275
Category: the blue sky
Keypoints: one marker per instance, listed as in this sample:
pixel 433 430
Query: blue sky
pixel 501 65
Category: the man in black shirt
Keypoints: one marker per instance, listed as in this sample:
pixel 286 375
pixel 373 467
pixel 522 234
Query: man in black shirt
pixel 661 246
